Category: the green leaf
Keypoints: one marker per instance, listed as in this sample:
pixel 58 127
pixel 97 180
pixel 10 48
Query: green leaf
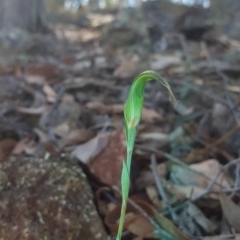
pixel 134 104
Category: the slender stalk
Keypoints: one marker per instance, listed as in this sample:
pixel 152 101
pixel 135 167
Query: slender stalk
pixel 132 116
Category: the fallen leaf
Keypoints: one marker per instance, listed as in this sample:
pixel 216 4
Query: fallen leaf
pixel 6 147
pixel 181 175
pixel 140 226
pixel 195 213
pixel 20 146
pixel 236 237
pixel 145 179
pixel 127 68
pixel 33 79
pixel 231 211
pixel 80 65
pixel 234 89
pixel 77 136
pixel 220 115
pixel 157 136
pixel 31 111
pixel 112 217
pixel 154 196
pixel 198 176
pixel 87 151
pixel 50 93
pixel 169 227
pixel 42 136
pixel 45 71
pixel 98 107
pixel 151 116
pixel 61 130
pixel 210 168
pixel 148 115
pixel 194 191
pixel 66 112
pixel 117 108
pixel 159 61
pixel 107 165
pixel 69 61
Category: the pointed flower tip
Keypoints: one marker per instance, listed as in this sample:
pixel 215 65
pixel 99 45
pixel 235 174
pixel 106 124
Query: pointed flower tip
pixel 173 99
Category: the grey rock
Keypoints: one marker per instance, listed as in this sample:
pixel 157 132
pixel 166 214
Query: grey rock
pixel 47 200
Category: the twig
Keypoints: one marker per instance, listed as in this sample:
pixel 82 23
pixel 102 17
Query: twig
pixel 210 185
pixel 237 178
pixel 160 187
pixel 201 124
pixel 183 43
pixel 172 159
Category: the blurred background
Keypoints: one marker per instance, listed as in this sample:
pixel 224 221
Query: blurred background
pixel 66 67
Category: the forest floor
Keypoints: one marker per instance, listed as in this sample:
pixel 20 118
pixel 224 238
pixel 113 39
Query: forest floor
pixel 65 93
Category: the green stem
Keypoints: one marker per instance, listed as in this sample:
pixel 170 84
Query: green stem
pixel 121 223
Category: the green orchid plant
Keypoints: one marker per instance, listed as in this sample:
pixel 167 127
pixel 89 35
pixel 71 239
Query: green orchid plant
pixel 132 116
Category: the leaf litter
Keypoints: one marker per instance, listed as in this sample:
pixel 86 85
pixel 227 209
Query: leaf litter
pixel 72 102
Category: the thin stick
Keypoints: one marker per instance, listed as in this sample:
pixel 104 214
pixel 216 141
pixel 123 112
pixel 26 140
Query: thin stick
pixel 236 183
pixel 160 187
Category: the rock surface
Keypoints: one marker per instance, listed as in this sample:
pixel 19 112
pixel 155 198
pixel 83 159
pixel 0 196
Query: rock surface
pixel 46 200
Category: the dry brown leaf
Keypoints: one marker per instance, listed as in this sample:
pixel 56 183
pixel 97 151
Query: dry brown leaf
pixel 231 211
pixel 194 191
pixel 80 65
pixel 50 93
pixel 186 177
pixel 234 89
pixel 6 147
pixel 200 218
pixel 42 136
pixel 107 165
pixel 148 115
pixel 33 79
pixel 198 179
pixel 145 179
pixel 210 168
pixel 236 237
pixel 112 217
pixel 117 108
pixel 159 61
pixel 77 136
pixel 61 130
pixel 69 61
pixel 46 71
pixel 98 107
pixel 127 68
pixel 138 238
pixel 87 151
pixel 169 227
pixel 140 226
pixel 20 146
pixel 158 136
pixel 154 196
pixel 151 116
pixel 31 111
